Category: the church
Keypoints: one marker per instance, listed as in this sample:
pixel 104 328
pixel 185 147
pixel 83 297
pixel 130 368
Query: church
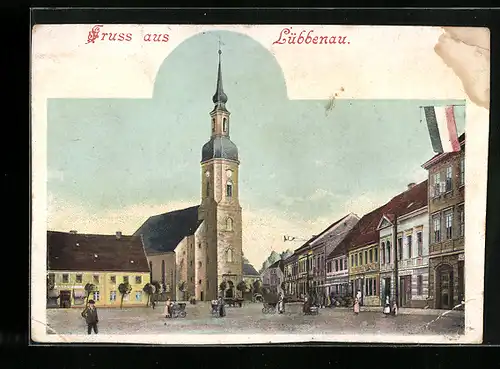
pixel 192 251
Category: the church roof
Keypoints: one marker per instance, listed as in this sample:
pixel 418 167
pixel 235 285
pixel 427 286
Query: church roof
pixel 163 232
pixel 95 252
pixel 248 269
pixel 219 147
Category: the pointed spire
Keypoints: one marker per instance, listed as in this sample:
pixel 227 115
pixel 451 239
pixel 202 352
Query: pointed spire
pixel 220 97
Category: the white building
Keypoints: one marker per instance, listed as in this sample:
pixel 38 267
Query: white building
pixel 412 249
pixel 273 276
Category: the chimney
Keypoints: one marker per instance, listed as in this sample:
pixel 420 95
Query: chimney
pixel 118 235
pixel 72 231
pixel 411 185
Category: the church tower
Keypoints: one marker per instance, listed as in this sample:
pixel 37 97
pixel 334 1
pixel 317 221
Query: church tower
pixel 220 207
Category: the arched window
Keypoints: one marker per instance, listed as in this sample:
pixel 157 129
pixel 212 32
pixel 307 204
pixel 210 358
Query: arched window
pixel 199 264
pixel 229 189
pixel 213 124
pixel 224 124
pixel 208 188
pixel 382 253
pixel 229 256
pixel 388 256
pixel 229 224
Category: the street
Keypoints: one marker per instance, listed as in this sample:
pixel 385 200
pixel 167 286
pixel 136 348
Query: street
pixel 249 319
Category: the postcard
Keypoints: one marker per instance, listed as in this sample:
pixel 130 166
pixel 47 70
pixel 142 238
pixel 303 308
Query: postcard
pixel 236 184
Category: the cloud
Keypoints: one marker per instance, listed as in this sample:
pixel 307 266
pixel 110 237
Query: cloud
pixel 263 229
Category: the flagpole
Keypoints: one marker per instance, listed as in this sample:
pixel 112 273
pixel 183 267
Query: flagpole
pixel 424 106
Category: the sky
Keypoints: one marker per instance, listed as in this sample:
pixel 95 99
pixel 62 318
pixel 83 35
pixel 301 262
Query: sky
pixel 113 162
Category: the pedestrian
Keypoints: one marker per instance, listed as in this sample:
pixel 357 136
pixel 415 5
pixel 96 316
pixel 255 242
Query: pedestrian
pixel 387 306
pixel 358 296
pixel 168 307
pixel 91 317
pixel 222 308
pixel 394 308
pixel 281 303
pixel 356 306
pixel 153 304
pixel 306 308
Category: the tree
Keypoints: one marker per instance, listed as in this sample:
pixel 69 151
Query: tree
pixel 124 289
pixel 149 289
pixel 182 288
pixel 89 288
pixel 50 284
pixel 242 287
pixel 257 287
pixel 223 286
pixel 158 289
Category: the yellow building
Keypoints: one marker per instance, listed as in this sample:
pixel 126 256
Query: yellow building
pixel 106 261
pixel 363 259
pixel 364 273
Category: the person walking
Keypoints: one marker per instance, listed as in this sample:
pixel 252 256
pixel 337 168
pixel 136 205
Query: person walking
pixel 387 306
pixel 281 303
pixel 91 317
pixel 168 307
pixel 356 306
pixel 222 308
pixel 358 296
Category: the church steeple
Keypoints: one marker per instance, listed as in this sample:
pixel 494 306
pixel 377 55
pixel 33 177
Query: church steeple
pixel 220 145
pixel 219 98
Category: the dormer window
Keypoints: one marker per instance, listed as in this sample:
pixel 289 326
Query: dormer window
pixel 224 125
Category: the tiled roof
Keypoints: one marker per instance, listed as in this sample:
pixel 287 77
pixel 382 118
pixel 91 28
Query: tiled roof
pixel 163 232
pixel 312 239
pixel 248 269
pixel 91 252
pixel 340 248
pixel 366 230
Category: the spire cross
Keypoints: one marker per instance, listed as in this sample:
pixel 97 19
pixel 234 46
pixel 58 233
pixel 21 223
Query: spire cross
pixel 220 43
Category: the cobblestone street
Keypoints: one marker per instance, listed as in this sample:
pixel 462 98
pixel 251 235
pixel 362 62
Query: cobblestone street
pixel 250 319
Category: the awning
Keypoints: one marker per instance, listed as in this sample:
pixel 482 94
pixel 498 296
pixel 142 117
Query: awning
pixel 79 294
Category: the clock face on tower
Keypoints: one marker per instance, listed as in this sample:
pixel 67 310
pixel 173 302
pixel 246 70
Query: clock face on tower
pixel 229 173
pixel 207 174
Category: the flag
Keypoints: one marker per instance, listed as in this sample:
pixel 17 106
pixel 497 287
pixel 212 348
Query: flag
pixel 442 128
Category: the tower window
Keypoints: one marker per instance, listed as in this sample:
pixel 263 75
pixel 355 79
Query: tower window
pixel 224 124
pixel 229 256
pixel 229 224
pixel 208 188
pixel 229 189
pixel 213 124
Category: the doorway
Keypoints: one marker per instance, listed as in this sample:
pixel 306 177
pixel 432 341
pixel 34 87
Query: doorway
pixel 444 278
pixel 65 299
pixel 201 296
pixel 405 291
pixel 387 290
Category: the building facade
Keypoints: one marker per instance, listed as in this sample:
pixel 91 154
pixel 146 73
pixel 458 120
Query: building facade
pixel 290 275
pixel 273 277
pixel 206 239
pixel 410 207
pixel 446 227
pixel 106 261
pixel 337 275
